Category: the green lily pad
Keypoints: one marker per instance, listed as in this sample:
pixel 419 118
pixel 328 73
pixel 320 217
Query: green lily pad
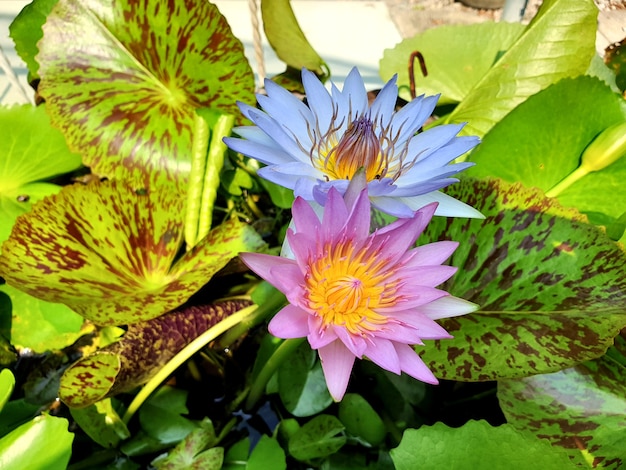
pixel 551 288
pixel 320 437
pixel 501 448
pixel 287 39
pixel 101 423
pixel 25 30
pixel 558 43
pixel 139 354
pixel 123 81
pixel 43 442
pixel 112 254
pixel 531 145
pixel 581 409
pixel 36 324
pixel 456 58
pixel 31 150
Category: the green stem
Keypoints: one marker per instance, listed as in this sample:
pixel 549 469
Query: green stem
pixel 188 351
pixel 566 182
pixel 196 179
pixel 214 165
pixel 282 353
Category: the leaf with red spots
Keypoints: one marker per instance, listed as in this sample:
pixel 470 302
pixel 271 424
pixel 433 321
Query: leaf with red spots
pixel 582 409
pixel 123 79
pixel 112 254
pixel 143 350
pixel 31 151
pixel 551 288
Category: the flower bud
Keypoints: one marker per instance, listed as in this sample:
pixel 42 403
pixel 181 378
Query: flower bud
pixel 606 148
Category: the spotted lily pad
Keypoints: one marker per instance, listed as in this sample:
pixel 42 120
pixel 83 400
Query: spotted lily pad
pixel 122 80
pixel 551 288
pixel 139 354
pixel 581 409
pixel 31 151
pixel 112 254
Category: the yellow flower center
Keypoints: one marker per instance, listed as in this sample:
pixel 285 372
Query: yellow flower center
pixel 345 289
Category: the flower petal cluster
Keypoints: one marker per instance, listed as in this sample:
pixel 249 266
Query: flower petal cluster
pixel 313 148
pixel 356 294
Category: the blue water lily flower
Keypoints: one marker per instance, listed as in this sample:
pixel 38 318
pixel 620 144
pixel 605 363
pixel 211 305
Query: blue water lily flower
pixel 312 148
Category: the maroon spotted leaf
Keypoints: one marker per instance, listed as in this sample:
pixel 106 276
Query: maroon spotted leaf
pixel 551 288
pixel 113 254
pixel 123 79
pixel 143 350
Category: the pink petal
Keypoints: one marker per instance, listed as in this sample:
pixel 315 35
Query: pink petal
pixel 412 364
pixel 355 344
pixel 432 254
pixel 424 328
pixel 319 337
pixel 337 364
pixel 304 216
pixel 282 273
pixel 428 276
pixel 382 353
pixel 335 215
pixel 290 322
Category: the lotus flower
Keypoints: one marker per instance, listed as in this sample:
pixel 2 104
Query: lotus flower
pixel 354 294
pixel 314 148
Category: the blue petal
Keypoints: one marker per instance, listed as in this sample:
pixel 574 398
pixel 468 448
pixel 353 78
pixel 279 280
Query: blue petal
pixel 319 100
pixel 384 105
pixel 264 153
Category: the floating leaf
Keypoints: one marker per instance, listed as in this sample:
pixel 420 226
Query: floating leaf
pixel 7 383
pixel 267 454
pixel 551 288
pixel 111 253
pixel 320 437
pixel 43 442
pixel 531 145
pixel 122 80
pixel 581 409
pixel 36 324
pixel 558 43
pixel 25 30
pixel 286 38
pixel 139 354
pixel 456 58
pixel 101 423
pixel 501 448
pixel 30 150
pixel 361 420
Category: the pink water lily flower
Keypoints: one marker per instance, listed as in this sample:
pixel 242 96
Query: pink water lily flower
pixel 354 294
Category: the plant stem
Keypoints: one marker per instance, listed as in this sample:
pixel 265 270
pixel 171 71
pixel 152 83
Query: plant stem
pixel 214 165
pixel 196 179
pixel 188 351
pixel 282 353
pixel 566 182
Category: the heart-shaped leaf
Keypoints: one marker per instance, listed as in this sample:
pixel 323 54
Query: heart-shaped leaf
pixel 122 80
pixel 551 288
pixel 33 323
pixel 30 150
pixel 139 354
pixel 533 147
pixel 581 409
pixel 558 43
pixel 501 448
pixel 456 58
pixel 111 254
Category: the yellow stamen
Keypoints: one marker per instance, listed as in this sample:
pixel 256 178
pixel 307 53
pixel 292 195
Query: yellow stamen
pixel 345 289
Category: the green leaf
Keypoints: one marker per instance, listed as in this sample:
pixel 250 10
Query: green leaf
pixel 581 409
pixel 139 354
pixel 30 150
pixel 558 43
pixel 25 30
pixel 615 58
pixel 286 38
pixel 456 58
pixel 281 196
pixel 320 437
pixel 37 324
pixel 551 288
pixel 267 454
pixel 41 444
pixel 101 423
pixel 123 80
pixel 530 146
pixel 189 452
pixel 112 254
pixel 361 420
pixel 7 382
pixel 475 445
pixel 301 383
